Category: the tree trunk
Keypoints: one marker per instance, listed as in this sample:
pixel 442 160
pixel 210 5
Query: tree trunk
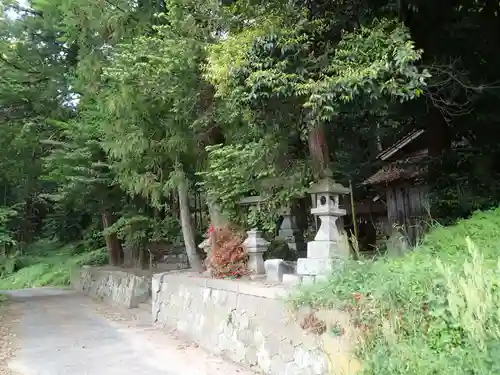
pixel 115 251
pixel 144 260
pixel 318 150
pixel 187 227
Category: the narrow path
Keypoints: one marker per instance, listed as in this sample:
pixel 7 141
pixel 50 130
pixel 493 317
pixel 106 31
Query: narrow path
pixel 60 332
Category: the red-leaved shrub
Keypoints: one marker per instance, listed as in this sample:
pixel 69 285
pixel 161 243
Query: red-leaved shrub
pixel 228 257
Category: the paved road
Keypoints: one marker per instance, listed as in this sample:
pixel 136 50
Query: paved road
pixel 61 332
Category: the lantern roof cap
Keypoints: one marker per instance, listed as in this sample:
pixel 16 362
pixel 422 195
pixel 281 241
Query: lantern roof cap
pixel 328 185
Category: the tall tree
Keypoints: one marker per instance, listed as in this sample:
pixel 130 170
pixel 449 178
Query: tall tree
pixel 298 72
pixel 33 88
pixel 154 100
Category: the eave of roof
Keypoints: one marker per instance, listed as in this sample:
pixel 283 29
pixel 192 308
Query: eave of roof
pixel 388 152
pixel 407 169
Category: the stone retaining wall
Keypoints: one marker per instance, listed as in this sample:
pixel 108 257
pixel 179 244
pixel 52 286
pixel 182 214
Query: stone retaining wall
pixel 249 323
pixel 124 288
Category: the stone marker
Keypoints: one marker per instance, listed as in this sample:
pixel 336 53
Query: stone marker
pixel 327 249
pixel 290 233
pixel 276 268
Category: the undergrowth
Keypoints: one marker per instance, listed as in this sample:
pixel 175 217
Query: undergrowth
pixel 435 310
pixel 46 263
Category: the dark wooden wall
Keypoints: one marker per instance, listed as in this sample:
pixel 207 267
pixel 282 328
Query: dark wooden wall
pixel 407 208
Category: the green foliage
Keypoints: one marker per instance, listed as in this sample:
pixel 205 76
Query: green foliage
pixel 283 76
pixel 234 172
pixel 140 230
pixel 6 238
pixel 237 171
pixel 279 76
pixel 106 105
pixel 46 263
pixel 77 163
pixel 153 99
pixel 434 310
pixel 84 182
pixel 368 64
pixel 279 249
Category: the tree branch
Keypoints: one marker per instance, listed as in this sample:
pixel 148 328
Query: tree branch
pixel 18 67
pixel 121 9
pixel 450 83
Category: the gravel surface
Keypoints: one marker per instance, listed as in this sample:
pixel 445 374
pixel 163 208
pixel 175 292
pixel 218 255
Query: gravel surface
pixel 8 339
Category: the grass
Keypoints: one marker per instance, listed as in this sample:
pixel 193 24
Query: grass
pixel 435 310
pixel 46 263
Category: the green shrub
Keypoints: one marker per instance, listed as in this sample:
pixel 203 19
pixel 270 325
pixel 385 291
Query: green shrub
pixel 435 310
pixel 279 249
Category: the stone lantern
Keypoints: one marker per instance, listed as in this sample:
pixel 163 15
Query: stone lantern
pixel 255 244
pixel 327 249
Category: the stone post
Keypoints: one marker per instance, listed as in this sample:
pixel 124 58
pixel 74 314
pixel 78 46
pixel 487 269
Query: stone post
pixel 256 246
pixel 327 249
pixel 290 233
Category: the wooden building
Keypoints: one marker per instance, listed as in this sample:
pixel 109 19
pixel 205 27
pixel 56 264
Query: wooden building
pixel 400 182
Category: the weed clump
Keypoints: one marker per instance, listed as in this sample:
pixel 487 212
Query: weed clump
pixel 435 310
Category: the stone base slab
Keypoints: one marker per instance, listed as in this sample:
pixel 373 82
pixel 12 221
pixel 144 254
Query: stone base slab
pixel 326 249
pixel 308 266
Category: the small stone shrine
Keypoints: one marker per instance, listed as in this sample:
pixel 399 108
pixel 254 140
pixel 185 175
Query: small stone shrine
pixel 327 250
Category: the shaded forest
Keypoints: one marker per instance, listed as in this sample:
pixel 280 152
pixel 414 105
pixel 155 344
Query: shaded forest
pixel 124 123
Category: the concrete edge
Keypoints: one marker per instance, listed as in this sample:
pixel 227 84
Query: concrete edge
pixel 117 271
pixel 241 287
